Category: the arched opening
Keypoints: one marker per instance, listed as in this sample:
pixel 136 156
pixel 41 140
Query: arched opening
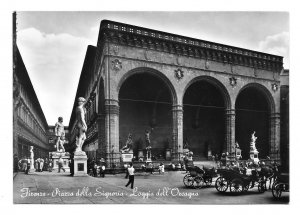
pixel 203 119
pixel 252 114
pixel 145 102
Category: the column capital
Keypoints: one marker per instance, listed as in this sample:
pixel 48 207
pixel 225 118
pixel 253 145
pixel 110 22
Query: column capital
pixel 230 111
pixel 177 108
pixel 111 106
pixel 111 102
pixel 275 115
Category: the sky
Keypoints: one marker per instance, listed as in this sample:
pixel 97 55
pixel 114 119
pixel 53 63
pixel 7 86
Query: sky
pixel 53 44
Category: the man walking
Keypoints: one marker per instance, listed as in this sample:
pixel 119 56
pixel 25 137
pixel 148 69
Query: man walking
pixel 60 164
pixel 131 176
pixel 28 166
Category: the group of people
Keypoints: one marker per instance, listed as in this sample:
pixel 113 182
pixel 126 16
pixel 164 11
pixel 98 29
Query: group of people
pixel 40 165
pixel 96 169
pixel 24 165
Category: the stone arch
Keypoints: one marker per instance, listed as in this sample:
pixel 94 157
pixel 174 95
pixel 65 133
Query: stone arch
pixel 223 90
pixel 146 98
pixel 254 107
pixel 265 92
pixel 205 102
pixel 154 72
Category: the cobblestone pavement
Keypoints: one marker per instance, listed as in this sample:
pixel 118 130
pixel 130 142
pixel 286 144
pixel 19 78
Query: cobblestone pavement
pixel 60 188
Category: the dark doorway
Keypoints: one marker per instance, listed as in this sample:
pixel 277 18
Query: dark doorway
pixel 204 121
pixel 146 103
pixel 252 114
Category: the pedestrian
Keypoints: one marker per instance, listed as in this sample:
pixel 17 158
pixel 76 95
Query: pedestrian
pixel 102 170
pixel 46 164
pixel 126 170
pixel 41 164
pixel 60 164
pixel 28 166
pixel 151 168
pixel 131 176
pixel 23 164
pixel 161 168
pixel 50 165
pixel 95 169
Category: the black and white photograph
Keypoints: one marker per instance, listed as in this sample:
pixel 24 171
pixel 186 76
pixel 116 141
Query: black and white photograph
pixel 150 107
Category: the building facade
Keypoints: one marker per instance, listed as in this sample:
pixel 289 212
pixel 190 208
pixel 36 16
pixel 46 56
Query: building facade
pixel 188 92
pixel 29 123
pixel 285 119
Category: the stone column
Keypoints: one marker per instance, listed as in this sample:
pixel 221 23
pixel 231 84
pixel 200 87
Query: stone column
pixel 274 141
pixel 177 148
pixel 101 136
pixel 112 132
pixel 230 131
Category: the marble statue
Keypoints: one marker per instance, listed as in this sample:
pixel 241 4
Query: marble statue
pixel 148 143
pixel 186 144
pixel 59 132
pixel 60 144
pixel 253 142
pixel 128 146
pixel 147 138
pixel 31 158
pixel 80 124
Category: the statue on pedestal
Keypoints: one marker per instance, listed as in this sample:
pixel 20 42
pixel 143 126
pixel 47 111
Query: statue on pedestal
pixel 148 143
pixel 80 124
pixel 128 146
pixel 60 144
pixel 253 150
pixel 59 132
pixel 31 158
pixel 253 142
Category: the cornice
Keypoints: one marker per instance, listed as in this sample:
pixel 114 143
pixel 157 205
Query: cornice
pixel 135 36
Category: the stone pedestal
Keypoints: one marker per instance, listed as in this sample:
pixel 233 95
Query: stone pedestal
pixel 140 153
pixel 127 157
pixel 254 156
pixel 148 156
pixel 209 154
pixel 80 164
pixel 238 153
pixel 168 154
pixel 32 169
pixel 66 158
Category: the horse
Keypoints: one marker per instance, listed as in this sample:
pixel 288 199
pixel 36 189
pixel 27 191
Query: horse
pixel 269 173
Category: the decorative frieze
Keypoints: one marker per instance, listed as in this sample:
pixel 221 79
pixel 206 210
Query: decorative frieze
pixel 129 35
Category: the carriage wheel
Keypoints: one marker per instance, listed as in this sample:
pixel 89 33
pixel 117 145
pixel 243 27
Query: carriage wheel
pixel 188 180
pixel 208 180
pixel 221 184
pixel 198 182
pixel 236 186
pixel 246 187
pixel 277 191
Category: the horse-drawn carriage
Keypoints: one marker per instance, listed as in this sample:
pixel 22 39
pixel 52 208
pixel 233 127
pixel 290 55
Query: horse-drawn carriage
pixel 281 184
pixel 197 177
pixel 238 182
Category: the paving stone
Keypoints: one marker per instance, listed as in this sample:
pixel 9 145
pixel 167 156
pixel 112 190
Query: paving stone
pixel 47 183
